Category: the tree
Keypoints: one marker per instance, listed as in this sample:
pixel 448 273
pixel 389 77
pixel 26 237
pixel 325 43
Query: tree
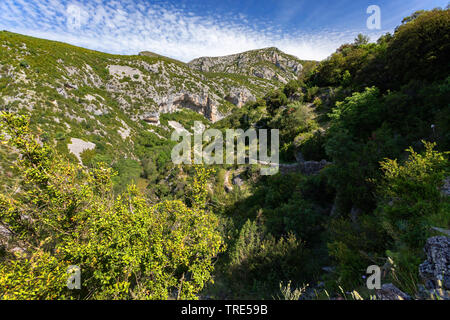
pixel 361 39
pixel 419 49
pixel 64 214
pixel 291 87
pixel 275 100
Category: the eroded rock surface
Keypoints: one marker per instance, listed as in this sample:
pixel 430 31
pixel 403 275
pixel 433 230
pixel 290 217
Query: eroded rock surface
pixel 437 266
pixel 390 292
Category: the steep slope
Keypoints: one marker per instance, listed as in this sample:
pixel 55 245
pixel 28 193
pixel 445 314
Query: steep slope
pixel 269 63
pixel 139 85
pixel 78 97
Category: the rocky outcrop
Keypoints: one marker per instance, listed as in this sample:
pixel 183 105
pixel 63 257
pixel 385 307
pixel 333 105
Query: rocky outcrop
pixel 5 235
pixel 7 242
pixel 156 82
pixel 435 271
pixel 390 292
pixel 78 146
pixel 202 103
pixel 240 96
pixel 270 64
pixel 139 85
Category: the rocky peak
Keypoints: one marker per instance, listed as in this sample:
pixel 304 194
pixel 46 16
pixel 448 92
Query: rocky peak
pixel 269 63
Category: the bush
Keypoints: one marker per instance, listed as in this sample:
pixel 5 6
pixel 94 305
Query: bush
pixel 126 249
pixel 420 48
pixel 259 262
pixel 411 195
pixel 291 87
pixel 24 64
pixel 275 100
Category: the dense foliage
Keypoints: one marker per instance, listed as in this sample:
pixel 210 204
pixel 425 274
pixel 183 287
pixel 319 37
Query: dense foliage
pixel 378 112
pixel 360 109
pixel 62 215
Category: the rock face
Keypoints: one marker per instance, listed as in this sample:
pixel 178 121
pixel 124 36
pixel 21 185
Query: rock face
pixel 203 103
pixel 437 266
pixel 5 234
pixel 240 96
pixel 270 64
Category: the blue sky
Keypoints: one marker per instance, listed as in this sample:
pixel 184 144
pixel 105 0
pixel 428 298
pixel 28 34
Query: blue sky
pixel 186 29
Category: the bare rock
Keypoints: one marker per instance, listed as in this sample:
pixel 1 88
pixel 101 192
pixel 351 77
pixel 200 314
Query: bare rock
pixel 78 146
pixel 268 63
pixel 62 92
pixel 436 269
pixel 390 292
pixel 201 103
pixel 240 96
pixel 238 181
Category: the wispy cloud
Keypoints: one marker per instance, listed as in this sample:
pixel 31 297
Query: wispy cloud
pixel 128 27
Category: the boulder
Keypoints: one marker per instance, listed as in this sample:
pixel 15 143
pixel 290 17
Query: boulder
pixel 5 235
pixel 238 181
pixel 390 292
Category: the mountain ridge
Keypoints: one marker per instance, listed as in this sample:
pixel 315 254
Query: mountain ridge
pixel 267 63
pixel 223 88
pixel 110 100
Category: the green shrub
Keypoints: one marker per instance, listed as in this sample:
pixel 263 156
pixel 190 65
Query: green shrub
pixel 24 64
pixel 259 262
pixel 411 194
pixel 291 87
pixel 125 248
pixel 275 100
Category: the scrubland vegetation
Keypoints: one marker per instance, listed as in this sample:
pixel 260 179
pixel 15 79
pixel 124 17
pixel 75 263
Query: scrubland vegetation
pixel 378 112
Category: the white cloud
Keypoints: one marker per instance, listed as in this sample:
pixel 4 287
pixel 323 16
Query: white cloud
pixel 132 27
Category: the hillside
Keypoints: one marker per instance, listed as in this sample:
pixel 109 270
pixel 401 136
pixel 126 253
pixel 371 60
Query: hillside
pixel 378 113
pixel 110 100
pixel 139 85
pixel 364 181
